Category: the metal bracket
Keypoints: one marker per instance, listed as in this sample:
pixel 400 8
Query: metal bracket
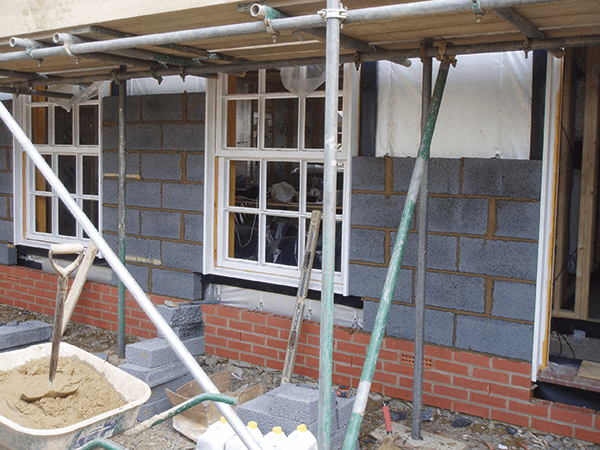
pixel 526 47
pixel 341 14
pixel 274 34
pixel 477 10
pixel 357 60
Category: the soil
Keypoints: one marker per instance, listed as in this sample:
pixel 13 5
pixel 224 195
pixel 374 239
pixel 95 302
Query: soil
pixel 474 432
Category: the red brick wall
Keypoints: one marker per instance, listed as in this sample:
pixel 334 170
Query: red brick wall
pixel 470 383
pixel 36 291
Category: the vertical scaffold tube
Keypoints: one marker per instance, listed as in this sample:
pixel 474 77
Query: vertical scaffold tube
pixel 421 266
pixel 122 176
pixel 329 202
pixel 364 387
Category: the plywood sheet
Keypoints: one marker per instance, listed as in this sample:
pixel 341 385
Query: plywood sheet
pixel 589 369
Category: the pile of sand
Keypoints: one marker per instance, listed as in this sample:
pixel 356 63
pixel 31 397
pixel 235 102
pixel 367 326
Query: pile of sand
pixel 94 395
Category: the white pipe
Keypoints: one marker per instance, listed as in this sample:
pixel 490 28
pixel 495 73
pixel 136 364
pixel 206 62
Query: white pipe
pixel 134 288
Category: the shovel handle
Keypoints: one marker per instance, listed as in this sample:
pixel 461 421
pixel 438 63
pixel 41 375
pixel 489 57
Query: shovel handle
pixel 65 249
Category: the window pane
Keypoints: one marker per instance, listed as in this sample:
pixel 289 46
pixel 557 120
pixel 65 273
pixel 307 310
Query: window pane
pixel 90 175
pixel 282 241
pixel 90 208
pixel 318 261
pixel 63 126
pixel 88 125
pixel 274 83
pixel 40 182
pixel 43 214
pixel 39 125
pixel 283 185
pixel 247 183
pixel 314 131
pixel 242 123
pixel 248 84
pixel 281 123
pixel 314 188
pixel 341 84
pixel 67 225
pixel 340 121
pixel 67 173
pixel 243 236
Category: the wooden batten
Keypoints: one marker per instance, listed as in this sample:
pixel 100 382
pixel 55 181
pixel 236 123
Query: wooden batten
pixel 589 180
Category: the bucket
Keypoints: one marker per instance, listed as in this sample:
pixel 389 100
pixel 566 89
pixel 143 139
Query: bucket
pixel 235 443
pixel 274 439
pixel 301 439
pixel 215 437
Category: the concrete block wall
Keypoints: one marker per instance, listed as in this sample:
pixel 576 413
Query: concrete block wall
pixel 482 250
pixel 8 252
pixel 488 386
pixel 164 190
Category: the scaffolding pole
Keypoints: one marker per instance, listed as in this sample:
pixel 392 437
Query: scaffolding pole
pixel 421 264
pixel 364 387
pixel 122 177
pixel 334 17
pixel 134 288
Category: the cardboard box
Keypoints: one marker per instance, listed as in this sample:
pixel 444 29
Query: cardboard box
pixel 196 420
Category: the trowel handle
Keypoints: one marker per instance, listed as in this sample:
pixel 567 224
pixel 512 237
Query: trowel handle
pixel 65 249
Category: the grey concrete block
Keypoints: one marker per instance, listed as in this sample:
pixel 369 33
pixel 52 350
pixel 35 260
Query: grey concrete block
pixel 110 109
pixel 298 403
pixel 24 333
pixel 184 332
pixel 196 106
pixel 144 136
pixel 439 325
pixel 187 286
pixel 458 215
pixel 402 170
pixel 139 250
pixel 368 281
pixel 139 273
pixel 502 178
pixel 161 224
pixel 162 108
pixel 157 375
pixel 344 411
pixel 8 254
pixel 194 167
pixel 157 352
pixel 6 137
pixel 183 136
pixel 110 164
pixel 441 251
pixel 367 245
pixel 7 231
pixel 377 210
pixel 145 194
pixel 110 220
pixel 193 227
pixel 152 408
pixel 5 157
pixel 186 197
pixel 517 219
pixel 183 314
pixel 498 258
pixel 496 337
pixel 458 292
pixel 6 183
pixel 162 166
pixel 110 191
pixel 368 173
pixel 256 410
pixel 513 300
pixel 444 176
pixel 110 137
pixel 182 256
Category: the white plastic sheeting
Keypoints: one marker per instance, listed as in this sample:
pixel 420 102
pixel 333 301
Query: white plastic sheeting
pixel 485 112
pixel 169 85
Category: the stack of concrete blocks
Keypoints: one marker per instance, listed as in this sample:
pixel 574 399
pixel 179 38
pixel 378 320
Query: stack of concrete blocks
pixel 293 404
pixel 18 335
pixel 155 362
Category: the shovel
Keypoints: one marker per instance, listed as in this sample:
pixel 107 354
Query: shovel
pixel 34 393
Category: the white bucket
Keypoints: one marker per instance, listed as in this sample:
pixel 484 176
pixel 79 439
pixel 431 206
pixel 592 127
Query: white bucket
pixel 274 440
pixel 216 436
pixel 235 443
pixel 301 439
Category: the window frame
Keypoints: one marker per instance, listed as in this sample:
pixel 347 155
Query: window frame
pixel 24 187
pixel 217 182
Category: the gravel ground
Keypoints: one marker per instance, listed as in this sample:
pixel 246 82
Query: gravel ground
pixel 476 432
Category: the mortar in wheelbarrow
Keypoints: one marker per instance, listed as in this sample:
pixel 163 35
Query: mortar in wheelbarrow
pixel 132 391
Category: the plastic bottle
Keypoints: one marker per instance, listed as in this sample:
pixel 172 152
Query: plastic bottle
pixel 235 443
pixel 216 436
pixel 301 439
pixel 274 440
